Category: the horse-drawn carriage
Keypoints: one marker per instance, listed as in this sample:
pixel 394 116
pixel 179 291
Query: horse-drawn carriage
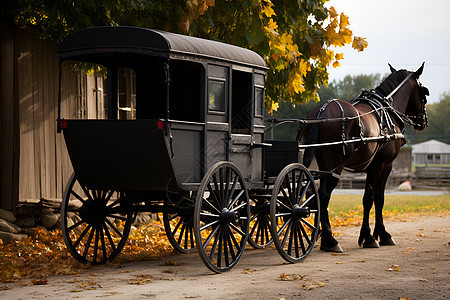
pixel 195 152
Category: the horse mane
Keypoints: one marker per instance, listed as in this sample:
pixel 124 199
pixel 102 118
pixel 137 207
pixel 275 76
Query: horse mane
pixel 391 82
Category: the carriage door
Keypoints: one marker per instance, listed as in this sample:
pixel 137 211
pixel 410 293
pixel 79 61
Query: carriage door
pixel 217 133
pixel 241 122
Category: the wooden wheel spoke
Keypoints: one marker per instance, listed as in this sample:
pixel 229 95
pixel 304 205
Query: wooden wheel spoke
pixel 217 191
pixel 230 245
pixel 308 224
pixel 108 235
pixel 227 186
pixel 191 228
pixel 114 228
pixel 298 186
pixel 304 192
pixel 75 225
pixel 286 196
pixel 267 228
pixel 117 217
pixel 180 237
pixel 208 225
pixel 210 236
pixel 296 237
pixel 289 225
pixel 233 188
pixel 307 200
pixel 80 238
pixel 177 226
pixel 211 192
pixel 254 227
pixel 235 242
pixel 289 188
pixel 113 204
pixel 237 229
pixel 216 240
pixel 282 204
pixel 96 241
pixel 88 243
pixel 103 242
pixel 291 233
pixel 209 215
pixel 77 196
pixel 225 246
pixel 235 200
pixel 305 234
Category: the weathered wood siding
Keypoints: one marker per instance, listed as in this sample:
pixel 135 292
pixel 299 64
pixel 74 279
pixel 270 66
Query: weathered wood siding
pixel 44 167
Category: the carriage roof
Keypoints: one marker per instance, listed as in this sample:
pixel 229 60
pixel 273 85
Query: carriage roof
pixel 83 44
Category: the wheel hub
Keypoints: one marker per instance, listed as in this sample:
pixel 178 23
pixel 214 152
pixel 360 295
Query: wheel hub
pixel 92 211
pixel 301 212
pixel 228 216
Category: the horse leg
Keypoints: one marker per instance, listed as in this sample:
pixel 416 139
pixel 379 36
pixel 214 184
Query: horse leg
pixel 365 238
pixel 328 242
pixel 379 230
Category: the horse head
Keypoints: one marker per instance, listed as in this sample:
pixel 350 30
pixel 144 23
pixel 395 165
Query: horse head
pixel 414 111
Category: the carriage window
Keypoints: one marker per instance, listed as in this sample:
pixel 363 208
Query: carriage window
pixel 259 100
pixel 127 94
pixel 216 95
pixel 242 102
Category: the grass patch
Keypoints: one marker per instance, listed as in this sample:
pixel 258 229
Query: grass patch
pixel 347 210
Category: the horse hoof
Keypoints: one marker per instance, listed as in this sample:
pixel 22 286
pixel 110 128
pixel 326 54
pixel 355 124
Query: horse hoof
pixel 388 242
pixel 336 248
pixel 372 244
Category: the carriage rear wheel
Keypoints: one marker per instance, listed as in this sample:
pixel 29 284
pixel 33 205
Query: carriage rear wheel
pixel 94 225
pixel 259 232
pixel 179 223
pixel 294 213
pixel 221 219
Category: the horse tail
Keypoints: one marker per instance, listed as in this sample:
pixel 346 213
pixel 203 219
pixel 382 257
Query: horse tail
pixel 311 137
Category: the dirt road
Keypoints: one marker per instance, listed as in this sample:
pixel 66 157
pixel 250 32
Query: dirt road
pixel 417 268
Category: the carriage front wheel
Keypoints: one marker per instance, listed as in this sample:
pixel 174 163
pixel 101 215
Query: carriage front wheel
pixel 94 225
pixel 221 218
pixel 294 213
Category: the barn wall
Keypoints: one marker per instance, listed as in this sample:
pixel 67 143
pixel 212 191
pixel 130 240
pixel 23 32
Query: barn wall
pixel 44 167
pixel 9 142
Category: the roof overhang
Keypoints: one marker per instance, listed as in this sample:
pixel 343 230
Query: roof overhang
pixel 83 44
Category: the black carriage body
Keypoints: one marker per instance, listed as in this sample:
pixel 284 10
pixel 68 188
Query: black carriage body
pixel 198 102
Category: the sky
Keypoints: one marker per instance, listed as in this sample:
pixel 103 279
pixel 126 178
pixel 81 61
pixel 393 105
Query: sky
pixel 404 33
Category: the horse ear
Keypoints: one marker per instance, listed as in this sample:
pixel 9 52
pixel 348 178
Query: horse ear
pixel 392 68
pixel 419 71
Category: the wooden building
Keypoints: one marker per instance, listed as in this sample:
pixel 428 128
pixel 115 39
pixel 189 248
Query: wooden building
pixel 431 152
pixel 34 164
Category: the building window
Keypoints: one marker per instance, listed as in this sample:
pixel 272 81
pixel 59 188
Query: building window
pixel 429 156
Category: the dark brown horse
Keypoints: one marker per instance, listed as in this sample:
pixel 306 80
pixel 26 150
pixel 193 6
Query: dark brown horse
pixel 365 136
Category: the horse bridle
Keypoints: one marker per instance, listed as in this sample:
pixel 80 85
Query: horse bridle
pixel 420 120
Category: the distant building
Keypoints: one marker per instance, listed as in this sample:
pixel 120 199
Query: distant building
pixel 431 152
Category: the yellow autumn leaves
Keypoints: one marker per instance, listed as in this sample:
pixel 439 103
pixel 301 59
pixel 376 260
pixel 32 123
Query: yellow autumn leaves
pixel 285 54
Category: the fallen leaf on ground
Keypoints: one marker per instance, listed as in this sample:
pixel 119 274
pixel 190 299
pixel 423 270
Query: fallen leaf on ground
pixel 393 268
pixel 39 281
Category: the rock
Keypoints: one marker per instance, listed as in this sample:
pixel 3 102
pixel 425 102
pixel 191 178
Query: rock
pixel 7 215
pixel 49 219
pixel 25 221
pixel 405 186
pixel 9 227
pixel 7 237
